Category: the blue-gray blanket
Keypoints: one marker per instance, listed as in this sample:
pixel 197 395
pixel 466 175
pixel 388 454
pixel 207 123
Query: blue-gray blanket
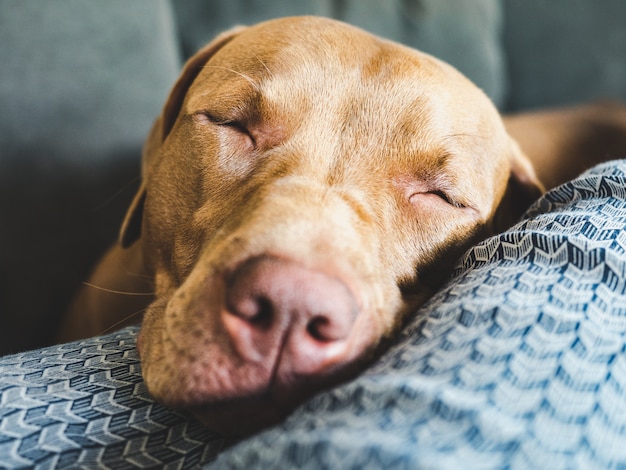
pixel 518 362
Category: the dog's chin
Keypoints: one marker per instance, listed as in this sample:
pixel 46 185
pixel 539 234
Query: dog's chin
pixel 241 418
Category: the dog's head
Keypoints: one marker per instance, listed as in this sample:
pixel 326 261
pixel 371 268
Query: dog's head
pixel 306 185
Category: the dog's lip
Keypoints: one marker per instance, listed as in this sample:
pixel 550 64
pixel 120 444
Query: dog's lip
pixel 245 415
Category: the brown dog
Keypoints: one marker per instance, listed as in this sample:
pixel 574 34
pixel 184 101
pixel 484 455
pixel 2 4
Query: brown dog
pixel 306 185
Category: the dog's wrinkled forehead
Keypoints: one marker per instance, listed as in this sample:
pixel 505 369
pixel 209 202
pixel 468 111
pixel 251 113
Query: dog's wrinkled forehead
pixel 316 66
pixel 341 78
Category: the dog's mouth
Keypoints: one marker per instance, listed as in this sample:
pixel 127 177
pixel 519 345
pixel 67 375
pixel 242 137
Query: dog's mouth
pixel 255 344
pixel 247 415
pixel 272 402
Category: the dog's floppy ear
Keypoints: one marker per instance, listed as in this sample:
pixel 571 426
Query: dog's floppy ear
pixel 190 72
pixel 522 190
pixel 131 227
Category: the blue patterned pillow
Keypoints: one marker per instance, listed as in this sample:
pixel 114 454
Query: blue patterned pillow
pixel 518 362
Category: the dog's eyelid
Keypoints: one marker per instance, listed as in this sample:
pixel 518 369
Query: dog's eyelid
pixel 442 194
pixel 444 188
pixel 238 125
pixel 221 120
pixel 445 196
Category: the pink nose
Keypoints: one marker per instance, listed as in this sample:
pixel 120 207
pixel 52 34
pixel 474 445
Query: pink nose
pixel 298 318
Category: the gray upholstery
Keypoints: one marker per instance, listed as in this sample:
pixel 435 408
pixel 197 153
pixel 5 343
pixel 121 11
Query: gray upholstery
pixel 564 51
pixel 80 84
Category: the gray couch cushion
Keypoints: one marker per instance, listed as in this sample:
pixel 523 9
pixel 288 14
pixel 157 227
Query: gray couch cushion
pixel 564 51
pixel 80 84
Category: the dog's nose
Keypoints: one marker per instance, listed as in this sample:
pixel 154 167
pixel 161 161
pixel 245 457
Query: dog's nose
pixel 299 318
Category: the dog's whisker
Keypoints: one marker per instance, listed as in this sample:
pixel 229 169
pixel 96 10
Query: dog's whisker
pixel 456 136
pixel 123 320
pixel 241 74
pixel 113 291
pixel 138 275
pixel 116 194
pixel 263 64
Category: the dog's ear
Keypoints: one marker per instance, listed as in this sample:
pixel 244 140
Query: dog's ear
pixel 191 70
pixel 131 227
pixel 522 190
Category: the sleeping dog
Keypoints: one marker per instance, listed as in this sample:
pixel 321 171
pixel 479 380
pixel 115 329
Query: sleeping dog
pixel 306 185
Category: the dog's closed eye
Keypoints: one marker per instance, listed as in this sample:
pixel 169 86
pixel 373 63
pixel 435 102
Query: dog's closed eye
pixel 238 128
pixel 445 198
pixel 430 194
pixel 436 197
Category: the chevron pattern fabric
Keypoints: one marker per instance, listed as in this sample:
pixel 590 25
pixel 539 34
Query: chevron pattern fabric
pixel 84 405
pixel 518 362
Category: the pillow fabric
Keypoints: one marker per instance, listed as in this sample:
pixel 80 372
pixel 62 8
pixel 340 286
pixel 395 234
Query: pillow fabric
pixel 518 362
pixel 84 405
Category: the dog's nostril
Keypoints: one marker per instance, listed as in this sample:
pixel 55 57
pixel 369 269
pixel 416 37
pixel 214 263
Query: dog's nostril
pixel 322 329
pixel 316 328
pixel 264 314
pixel 257 310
